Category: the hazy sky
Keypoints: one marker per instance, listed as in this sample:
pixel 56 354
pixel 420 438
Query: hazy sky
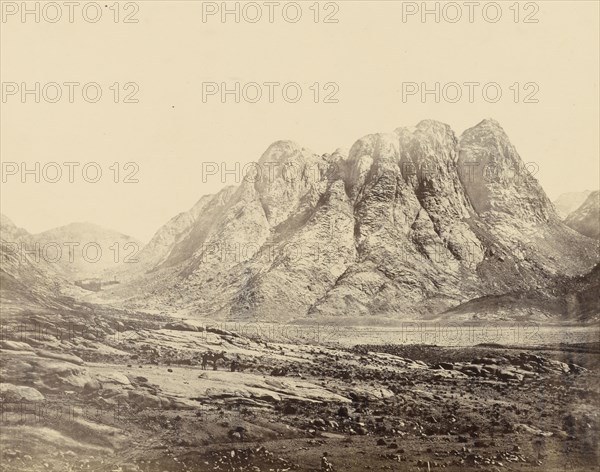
pixel 369 53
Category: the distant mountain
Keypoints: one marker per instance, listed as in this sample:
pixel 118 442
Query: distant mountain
pixel 586 218
pixel 27 281
pixel 569 202
pixel 407 224
pixel 10 232
pixel 86 250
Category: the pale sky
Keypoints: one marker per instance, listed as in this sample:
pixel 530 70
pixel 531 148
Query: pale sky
pixel 369 53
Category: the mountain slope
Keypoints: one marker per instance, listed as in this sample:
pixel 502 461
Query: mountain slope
pixel 408 224
pixel 573 299
pixel 165 243
pixel 586 218
pixel 27 281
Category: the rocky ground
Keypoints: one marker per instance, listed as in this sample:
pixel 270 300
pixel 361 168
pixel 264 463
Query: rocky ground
pixel 128 393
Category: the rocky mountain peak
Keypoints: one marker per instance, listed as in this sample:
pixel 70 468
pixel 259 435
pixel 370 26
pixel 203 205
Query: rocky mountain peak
pixel 286 172
pixel 434 128
pixel 496 179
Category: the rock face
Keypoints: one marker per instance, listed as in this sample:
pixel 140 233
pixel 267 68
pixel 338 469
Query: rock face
pixel 586 219
pixel 500 185
pixel 171 242
pixel 566 203
pixel 406 224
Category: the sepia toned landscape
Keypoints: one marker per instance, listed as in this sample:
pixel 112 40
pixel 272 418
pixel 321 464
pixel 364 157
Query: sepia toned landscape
pixel 198 359
pixel 299 236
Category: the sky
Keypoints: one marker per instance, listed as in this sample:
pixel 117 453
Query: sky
pixel 152 153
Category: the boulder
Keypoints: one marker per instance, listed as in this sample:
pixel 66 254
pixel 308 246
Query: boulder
pixel 18 393
pixel 180 326
pixel 143 399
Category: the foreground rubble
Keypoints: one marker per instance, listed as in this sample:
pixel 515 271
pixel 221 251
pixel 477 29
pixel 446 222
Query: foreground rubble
pixel 141 401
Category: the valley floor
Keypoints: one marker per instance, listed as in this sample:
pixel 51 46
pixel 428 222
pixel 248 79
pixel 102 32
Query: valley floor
pixel 133 396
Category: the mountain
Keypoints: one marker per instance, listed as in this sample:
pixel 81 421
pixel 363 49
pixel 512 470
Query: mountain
pixel 85 250
pixel 406 224
pixel 586 218
pixel 27 281
pixel 167 246
pixel 566 203
pixel 9 232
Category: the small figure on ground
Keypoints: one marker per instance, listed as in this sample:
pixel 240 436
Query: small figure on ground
pixel 235 364
pixel 212 357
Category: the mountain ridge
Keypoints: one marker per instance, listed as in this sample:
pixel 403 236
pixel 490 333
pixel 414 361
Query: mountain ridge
pixel 408 223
